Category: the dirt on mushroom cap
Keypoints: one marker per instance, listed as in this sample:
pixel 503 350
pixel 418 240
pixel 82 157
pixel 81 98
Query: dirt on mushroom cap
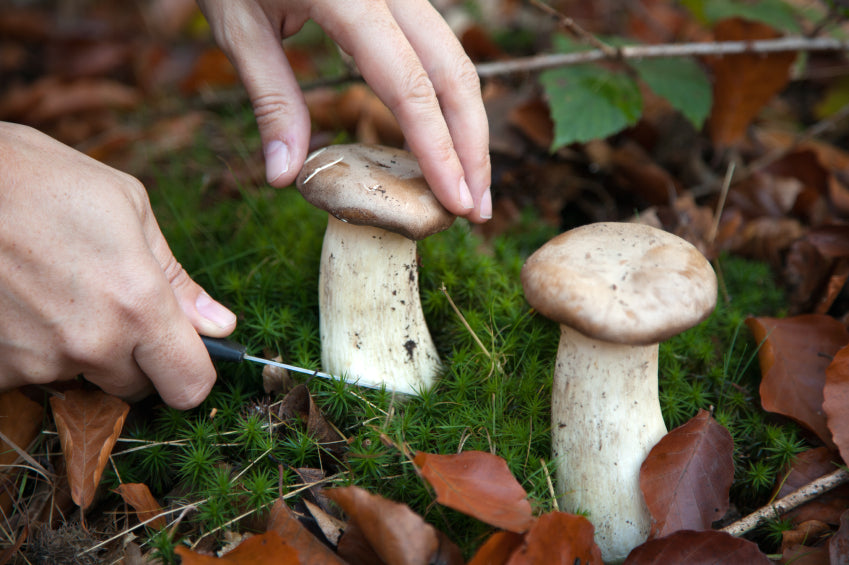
pixel 373 185
pixel 619 282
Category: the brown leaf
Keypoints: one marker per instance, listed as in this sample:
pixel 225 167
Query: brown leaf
pixel 330 525
pixel 478 484
pixel 256 550
pixel 397 534
pixel 697 548
pixel 140 498
pixel 805 555
pixel 686 477
pixel 567 536
pixel 212 68
pixel 838 545
pixel 744 83
pixel 310 550
pixel 793 356
pixel 20 423
pixel 355 549
pixel 298 403
pixel 805 533
pixel 836 404
pixel 497 549
pixel 89 423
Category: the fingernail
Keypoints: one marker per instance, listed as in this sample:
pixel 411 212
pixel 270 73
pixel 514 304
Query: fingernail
pixel 276 160
pixel 214 312
pixel 466 196
pixel 486 205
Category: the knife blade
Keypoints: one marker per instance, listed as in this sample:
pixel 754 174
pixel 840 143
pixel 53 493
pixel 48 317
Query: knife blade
pixel 221 349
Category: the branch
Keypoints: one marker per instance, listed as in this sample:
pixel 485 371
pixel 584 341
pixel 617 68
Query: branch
pixel 717 48
pixel 793 500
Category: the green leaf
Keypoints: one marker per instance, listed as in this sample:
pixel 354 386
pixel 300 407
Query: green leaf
pixel 589 102
pixel 775 13
pixel 682 82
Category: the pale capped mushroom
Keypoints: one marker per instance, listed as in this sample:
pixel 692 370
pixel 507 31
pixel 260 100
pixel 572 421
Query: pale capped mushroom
pixel 371 321
pixel 617 290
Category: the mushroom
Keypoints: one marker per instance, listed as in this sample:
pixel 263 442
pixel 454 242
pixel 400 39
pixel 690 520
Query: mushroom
pixel 617 290
pixel 371 321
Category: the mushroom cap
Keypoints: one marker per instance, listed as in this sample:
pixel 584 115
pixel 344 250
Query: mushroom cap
pixel 372 185
pixel 620 282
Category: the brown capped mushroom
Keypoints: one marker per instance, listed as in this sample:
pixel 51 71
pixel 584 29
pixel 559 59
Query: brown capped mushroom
pixel 371 321
pixel 617 290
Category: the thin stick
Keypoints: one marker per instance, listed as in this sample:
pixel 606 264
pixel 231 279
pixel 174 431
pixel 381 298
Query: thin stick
pixel 550 484
pixel 667 50
pixel 463 319
pixel 577 30
pixel 793 500
pixel 726 184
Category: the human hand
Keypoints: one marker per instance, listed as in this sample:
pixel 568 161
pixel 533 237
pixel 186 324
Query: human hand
pixel 407 54
pixel 88 283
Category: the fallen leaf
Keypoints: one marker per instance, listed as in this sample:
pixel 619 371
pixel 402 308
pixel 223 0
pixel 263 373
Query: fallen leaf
pixel 397 534
pixel 805 555
pixel 744 83
pixel 355 549
pixel 794 353
pixel 478 484
pixel 212 68
pixel 20 423
pixel 329 525
pixel 256 550
pixel 836 403
pixel 310 550
pixel 138 496
pixel 88 423
pixel 697 548
pixel 298 404
pixel 497 549
pixel 805 533
pixel 567 536
pixel 838 545
pixel 687 476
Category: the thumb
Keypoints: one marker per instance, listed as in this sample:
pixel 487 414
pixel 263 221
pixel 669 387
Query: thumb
pixel 278 103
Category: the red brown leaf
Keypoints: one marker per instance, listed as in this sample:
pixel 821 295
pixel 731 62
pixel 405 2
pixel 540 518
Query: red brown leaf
pixel 256 550
pixel 836 403
pixel 478 484
pixel 697 548
pixel 744 83
pixel 807 467
pixel 794 353
pixel 140 498
pixel 569 537
pixel 497 549
pixel 838 545
pixel 687 476
pixel 89 423
pixel 398 535
pixel 310 550
pixel 20 423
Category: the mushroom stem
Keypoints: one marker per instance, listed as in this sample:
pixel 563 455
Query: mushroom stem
pixel 605 418
pixel 371 320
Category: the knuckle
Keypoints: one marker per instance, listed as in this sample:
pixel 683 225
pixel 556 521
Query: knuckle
pixel 268 107
pixel 416 88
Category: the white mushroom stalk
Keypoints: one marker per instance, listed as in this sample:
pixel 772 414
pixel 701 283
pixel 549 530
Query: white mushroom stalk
pixel 617 290
pixel 372 326
pixel 373 330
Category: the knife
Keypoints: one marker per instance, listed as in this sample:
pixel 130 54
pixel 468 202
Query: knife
pixel 221 349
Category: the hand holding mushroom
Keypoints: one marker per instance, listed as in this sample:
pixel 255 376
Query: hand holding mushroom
pixel 617 290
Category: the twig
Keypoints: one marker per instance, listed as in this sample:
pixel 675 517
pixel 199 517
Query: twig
pixel 465 323
pixel 718 48
pixel 726 185
pixel 582 34
pixel 808 492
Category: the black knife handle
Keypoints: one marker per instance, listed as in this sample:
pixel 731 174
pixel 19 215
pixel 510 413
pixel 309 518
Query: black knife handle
pixel 221 349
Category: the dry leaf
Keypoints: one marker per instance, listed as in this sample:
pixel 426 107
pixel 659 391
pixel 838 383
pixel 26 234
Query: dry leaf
pixel 744 83
pixel 20 422
pixel 836 403
pixel 687 476
pixel 89 423
pixel 310 550
pixel 838 545
pixel 355 549
pixel 793 355
pixel 298 404
pixel 140 498
pixel 497 549
pixel 256 550
pixel 478 484
pixel 397 534
pixel 567 536
pixel 697 548
pixel 804 555
pixel 329 525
